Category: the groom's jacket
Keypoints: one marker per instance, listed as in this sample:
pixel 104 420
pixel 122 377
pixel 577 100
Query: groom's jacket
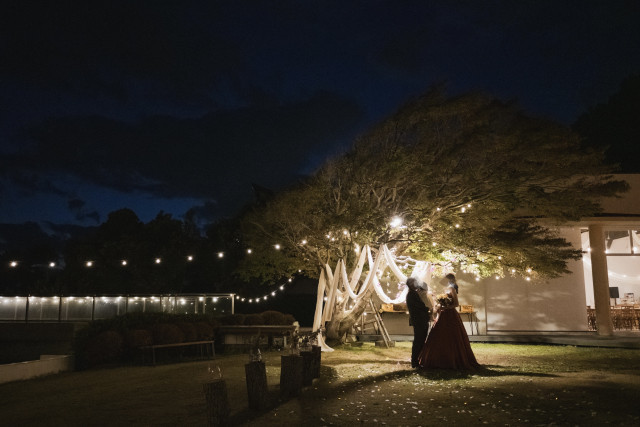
pixel 418 312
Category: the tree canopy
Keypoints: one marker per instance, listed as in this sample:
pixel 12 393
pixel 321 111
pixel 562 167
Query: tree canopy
pixel 615 124
pixel 476 184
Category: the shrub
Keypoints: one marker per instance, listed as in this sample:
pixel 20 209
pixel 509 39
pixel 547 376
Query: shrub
pixel 188 330
pixel 166 333
pixel 103 348
pixel 272 317
pixel 254 319
pixel 289 319
pixel 138 338
pixel 204 331
pixel 232 319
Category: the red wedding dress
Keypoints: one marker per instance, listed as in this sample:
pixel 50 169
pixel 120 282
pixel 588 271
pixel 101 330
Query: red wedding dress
pixel 447 346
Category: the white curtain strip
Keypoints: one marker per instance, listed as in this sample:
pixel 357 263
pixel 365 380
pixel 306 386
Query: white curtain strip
pixel 317 320
pixel 337 286
pixel 371 276
pixel 345 280
pixel 384 297
pixel 355 276
pixel 335 278
pixel 392 265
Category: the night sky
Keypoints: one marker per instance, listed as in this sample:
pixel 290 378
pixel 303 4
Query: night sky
pixel 167 106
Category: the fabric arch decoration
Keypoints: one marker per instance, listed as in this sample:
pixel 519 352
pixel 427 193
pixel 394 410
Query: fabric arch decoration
pixel 336 289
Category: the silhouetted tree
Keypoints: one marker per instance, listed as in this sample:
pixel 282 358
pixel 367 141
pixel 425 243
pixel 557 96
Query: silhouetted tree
pixel 477 184
pixel 615 125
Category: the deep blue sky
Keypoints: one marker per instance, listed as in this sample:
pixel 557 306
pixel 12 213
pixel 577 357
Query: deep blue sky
pixel 163 105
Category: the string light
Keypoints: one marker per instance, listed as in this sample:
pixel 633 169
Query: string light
pixel 124 262
pixel 396 222
pixel 249 251
pixel 89 264
pixel 277 246
pixel 13 264
pixel 158 260
pixel 190 258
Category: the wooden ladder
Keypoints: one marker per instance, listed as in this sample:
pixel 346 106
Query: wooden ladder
pixel 371 316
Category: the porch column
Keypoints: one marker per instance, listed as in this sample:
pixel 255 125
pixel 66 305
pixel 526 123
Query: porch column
pixel 600 273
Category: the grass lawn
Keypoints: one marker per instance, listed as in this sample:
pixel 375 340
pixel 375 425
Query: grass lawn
pixel 519 384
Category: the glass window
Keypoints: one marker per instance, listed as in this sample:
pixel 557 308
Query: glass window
pixel 617 242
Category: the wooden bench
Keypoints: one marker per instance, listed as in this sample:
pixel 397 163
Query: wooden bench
pixel 203 346
pixel 244 336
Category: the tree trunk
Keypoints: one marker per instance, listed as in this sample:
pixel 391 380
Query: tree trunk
pixel 256 377
pixel 291 368
pixel 316 350
pixel 341 323
pixel 307 367
pixel 217 403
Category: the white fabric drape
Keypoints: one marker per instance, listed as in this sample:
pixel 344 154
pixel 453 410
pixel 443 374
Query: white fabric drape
pixel 337 286
pixel 317 320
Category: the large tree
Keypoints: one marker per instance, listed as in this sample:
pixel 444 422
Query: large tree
pixel 615 124
pixel 478 186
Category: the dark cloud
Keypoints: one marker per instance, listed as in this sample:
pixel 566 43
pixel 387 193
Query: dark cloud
pixel 28 181
pixel 148 104
pixel 216 156
pixel 77 206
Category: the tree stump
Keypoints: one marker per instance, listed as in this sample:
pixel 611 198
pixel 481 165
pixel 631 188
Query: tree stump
pixel 217 403
pixel 307 367
pixel 256 376
pixel 291 371
pixel 316 350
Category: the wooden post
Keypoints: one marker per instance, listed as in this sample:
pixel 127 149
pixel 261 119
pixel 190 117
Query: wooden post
pixel 307 367
pixel 600 273
pixel 291 368
pixel 316 350
pixel 217 402
pixel 256 377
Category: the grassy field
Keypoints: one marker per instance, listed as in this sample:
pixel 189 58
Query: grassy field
pixel 518 385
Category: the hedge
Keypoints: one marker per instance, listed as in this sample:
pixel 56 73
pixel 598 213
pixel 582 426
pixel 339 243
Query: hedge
pixel 116 340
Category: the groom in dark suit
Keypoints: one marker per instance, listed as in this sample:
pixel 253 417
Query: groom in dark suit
pixel 419 315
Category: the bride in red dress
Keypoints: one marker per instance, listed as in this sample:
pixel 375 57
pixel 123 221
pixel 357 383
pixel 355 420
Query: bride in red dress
pixel 447 346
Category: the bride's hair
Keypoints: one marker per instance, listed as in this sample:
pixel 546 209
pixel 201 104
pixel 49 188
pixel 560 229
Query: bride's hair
pixel 452 279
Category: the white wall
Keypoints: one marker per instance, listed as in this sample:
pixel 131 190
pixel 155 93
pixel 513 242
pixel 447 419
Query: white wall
pixel 512 304
pixel 47 365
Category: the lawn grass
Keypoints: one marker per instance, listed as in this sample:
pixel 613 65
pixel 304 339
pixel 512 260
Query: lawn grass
pixel 518 385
